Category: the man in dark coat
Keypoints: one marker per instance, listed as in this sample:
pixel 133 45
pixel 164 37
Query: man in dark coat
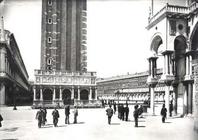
pixel 135 115
pixel 67 112
pixel 39 117
pixel 163 113
pixel 55 115
pixel 109 112
pixel 126 110
pixel 171 108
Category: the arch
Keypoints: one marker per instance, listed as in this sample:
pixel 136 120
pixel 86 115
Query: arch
pixel 84 94
pixel 47 94
pixel 179 56
pixel 156 42
pixel 193 38
pixel 66 96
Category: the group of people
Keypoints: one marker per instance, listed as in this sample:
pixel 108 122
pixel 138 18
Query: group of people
pixel 42 114
pixel 123 112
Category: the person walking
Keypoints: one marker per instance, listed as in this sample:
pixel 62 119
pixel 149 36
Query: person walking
pixel 67 113
pixel 109 112
pixel 135 115
pixel 75 114
pixel 114 107
pixel 171 108
pixel 163 113
pixel 39 117
pixel 1 119
pixel 55 115
pixel 126 110
pixel 44 120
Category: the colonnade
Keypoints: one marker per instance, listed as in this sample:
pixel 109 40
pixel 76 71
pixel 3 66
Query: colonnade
pixel 61 92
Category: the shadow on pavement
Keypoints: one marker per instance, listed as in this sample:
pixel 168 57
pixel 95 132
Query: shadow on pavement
pixel 10 129
pixel 115 123
pixel 141 126
pixel 78 123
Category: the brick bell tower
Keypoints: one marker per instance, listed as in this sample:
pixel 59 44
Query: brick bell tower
pixel 63 41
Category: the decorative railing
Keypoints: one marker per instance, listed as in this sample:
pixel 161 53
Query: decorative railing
pixel 66 73
pixel 174 9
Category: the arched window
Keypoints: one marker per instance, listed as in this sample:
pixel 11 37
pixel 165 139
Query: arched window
pixel 50 2
pixel 49 61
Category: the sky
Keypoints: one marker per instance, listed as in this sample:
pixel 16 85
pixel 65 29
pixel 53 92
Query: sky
pixel 117 40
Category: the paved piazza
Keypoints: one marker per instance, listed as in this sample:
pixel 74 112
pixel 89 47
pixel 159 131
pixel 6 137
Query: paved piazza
pixel 92 125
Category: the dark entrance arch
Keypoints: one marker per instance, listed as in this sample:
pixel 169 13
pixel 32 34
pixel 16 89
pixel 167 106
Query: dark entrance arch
pixel 47 94
pixel 66 96
pixel 84 94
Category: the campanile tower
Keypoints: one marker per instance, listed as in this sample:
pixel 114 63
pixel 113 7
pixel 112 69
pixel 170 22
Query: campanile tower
pixel 63 77
pixel 63 41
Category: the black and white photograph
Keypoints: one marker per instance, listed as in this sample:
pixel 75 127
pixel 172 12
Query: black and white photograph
pixel 99 69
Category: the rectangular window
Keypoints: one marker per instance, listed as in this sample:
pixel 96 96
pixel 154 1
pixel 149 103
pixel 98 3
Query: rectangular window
pixel 49 40
pixel 49 21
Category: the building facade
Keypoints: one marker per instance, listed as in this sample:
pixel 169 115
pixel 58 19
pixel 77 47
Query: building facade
pixel 63 77
pixel 14 85
pixel 173 32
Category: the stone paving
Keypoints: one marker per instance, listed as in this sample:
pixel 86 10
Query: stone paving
pixel 92 125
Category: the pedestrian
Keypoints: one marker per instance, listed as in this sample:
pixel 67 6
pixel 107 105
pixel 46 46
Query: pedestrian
pixel 67 113
pixel 163 113
pixel 109 112
pixel 55 115
pixel 44 115
pixel 39 117
pixel 126 110
pixel 140 111
pixel 135 115
pixel 75 114
pixel 114 107
pixel 122 112
pixel 171 108
pixel 1 119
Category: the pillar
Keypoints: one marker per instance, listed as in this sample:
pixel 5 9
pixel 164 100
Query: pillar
pixel 34 92
pixel 187 66
pixel 72 94
pixel 189 99
pixel 41 94
pixel 90 93
pixel 60 94
pixel 54 94
pixel 78 93
pixel 167 98
pixel 2 94
pixel 196 97
pixel 96 94
pixel 2 59
pixel 152 98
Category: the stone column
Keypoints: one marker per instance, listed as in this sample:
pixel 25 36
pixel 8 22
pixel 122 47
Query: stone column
pixel 2 94
pixel 60 94
pixel 90 93
pixel 187 66
pixel 152 81
pixel 152 98
pixel 78 93
pixel 167 98
pixel 189 99
pixel 96 94
pixel 54 94
pixel 196 96
pixel 41 94
pixel 2 59
pixel 72 94
pixel 34 92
